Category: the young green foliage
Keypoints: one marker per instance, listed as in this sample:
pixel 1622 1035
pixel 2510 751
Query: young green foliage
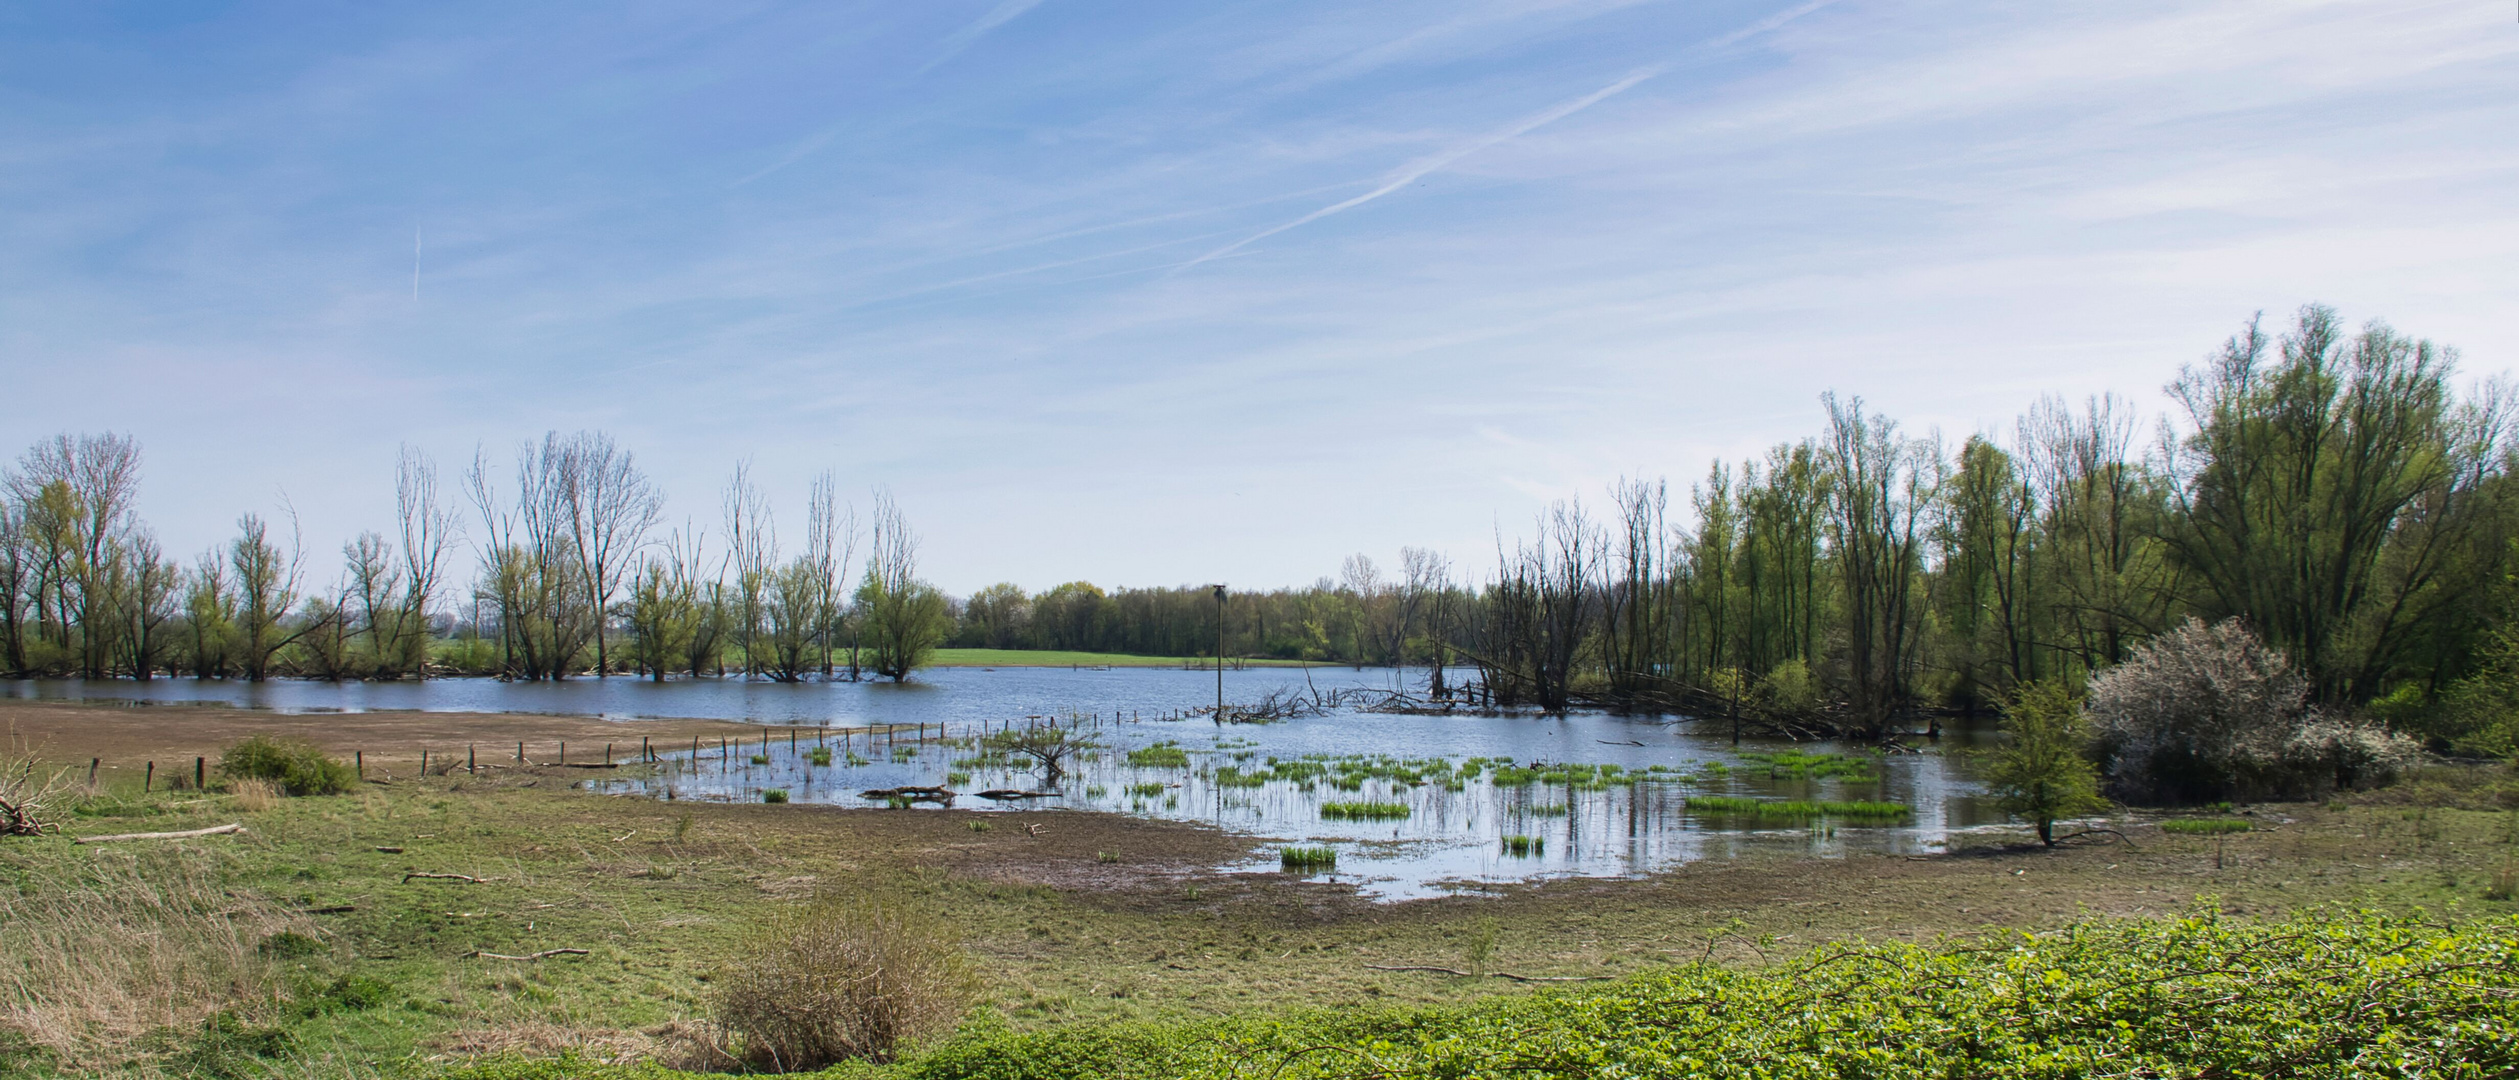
pixel 2040 772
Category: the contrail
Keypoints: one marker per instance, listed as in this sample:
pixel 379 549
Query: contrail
pixel 1418 169
pixel 1000 15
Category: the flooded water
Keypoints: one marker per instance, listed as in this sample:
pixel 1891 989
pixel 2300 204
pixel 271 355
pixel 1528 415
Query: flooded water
pixel 1449 802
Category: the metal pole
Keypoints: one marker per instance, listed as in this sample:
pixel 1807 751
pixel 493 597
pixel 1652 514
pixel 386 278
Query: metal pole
pixel 1220 654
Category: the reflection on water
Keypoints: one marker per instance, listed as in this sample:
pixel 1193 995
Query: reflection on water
pixel 1459 830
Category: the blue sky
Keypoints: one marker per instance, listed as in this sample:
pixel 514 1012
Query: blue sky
pixel 1153 293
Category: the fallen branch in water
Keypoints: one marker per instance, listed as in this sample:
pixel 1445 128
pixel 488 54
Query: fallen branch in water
pixel 1458 973
pixel 184 835
pixel 465 878
pixel 528 956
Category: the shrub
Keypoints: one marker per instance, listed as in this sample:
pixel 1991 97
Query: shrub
pixel 841 980
pixel 2039 772
pixel 2209 712
pixel 296 766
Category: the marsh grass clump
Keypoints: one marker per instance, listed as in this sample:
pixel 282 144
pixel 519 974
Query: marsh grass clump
pixel 760 759
pixel 841 980
pixel 1523 847
pixel 1319 857
pixel 820 755
pixel 1369 810
pixel 1162 755
pixel 774 795
pixel 2206 826
pixel 957 777
pixel 296 766
pixel 1797 809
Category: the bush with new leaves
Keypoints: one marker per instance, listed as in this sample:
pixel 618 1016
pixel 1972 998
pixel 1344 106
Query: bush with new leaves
pixel 841 980
pixel 2039 771
pixel 2208 712
pixel 299 768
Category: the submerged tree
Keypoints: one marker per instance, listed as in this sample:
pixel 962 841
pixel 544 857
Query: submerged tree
pixel 905 618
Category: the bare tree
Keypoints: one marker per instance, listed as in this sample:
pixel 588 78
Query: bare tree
pixel 611 508
pixel 150 605
pixel 529 561
pixel 904 617
pixel 831 548
pixel 266 594
pixel 753 548
pixel 1883 483
pixel 429 529
pixel 82 490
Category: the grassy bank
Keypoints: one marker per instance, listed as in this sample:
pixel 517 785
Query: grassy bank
pixel 306 944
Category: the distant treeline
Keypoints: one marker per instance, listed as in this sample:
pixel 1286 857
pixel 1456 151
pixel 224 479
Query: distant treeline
pixel 2329 488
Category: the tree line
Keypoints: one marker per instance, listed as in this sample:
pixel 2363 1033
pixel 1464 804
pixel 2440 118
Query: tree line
pixel 2327 487
pixel 576 572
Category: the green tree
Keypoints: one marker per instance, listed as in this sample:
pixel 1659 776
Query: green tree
pixel 905 618
pixel 2040 772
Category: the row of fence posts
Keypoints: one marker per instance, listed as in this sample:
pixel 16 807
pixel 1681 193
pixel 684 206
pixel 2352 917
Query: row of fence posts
pixel 647 751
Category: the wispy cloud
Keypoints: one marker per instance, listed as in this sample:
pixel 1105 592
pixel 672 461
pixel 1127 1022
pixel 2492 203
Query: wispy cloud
pixel 1005 12
pixel 1419 169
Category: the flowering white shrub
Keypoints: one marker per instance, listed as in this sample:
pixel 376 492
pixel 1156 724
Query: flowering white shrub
pixel 2209 712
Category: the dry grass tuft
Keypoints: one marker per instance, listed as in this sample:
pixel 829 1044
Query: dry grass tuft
pixel 254 796
pixel 99 954
pixel 839 980
pixel 541 1039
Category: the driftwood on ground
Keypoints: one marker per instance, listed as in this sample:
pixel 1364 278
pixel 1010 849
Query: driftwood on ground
pixel 182 835
pixel 914 794
pixel 1492 974
pixel 544 954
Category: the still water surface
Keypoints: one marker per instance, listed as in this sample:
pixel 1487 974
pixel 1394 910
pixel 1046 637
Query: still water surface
pixel 1454 836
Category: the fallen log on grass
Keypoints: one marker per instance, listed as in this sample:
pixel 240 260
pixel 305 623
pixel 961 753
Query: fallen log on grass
pixel 1458 973
pixel 914 794
pixel 544 954
pixel 465 878
pixel 184 835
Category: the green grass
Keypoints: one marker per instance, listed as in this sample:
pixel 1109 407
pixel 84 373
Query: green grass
pixel 1069 658
pixel 1308 858
pixel 820 755
pixel 1162 755
pixel 2198 995
pixel 2206 826
pixel 1523 847
pixel 1364 811
pixel 1798 809
pixel 774 795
